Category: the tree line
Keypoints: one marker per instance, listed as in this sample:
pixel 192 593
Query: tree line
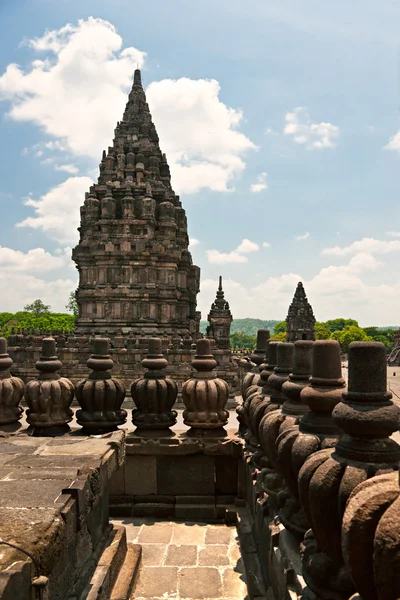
pixel 344 331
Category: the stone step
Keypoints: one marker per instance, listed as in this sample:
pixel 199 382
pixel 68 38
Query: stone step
pixel 128 573
pixel 116 569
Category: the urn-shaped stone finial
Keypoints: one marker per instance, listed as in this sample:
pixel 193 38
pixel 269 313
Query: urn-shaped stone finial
pixel 155 393
pixel 315 430
pixel 273 423
pixel 49 396
pixel 367 416
pixel 257 357
pixel 205 395
pixel 100 395
pixel 11 389
pixel 370 537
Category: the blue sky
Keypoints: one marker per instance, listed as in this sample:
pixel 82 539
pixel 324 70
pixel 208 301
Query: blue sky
pixel 280 121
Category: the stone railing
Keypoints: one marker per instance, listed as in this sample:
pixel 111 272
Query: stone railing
pixel 322 472
pixel 315 463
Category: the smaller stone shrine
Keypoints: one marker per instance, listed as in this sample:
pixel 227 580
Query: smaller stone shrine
pixel 220 319
pixel 300 319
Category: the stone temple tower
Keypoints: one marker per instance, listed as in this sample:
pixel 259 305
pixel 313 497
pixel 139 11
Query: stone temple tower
pixel 300 319
pixel 135 271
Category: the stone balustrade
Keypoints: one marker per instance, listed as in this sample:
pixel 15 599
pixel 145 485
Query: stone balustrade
pixel 315 465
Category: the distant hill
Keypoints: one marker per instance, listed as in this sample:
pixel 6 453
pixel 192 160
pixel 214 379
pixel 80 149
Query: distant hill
pixel 247 326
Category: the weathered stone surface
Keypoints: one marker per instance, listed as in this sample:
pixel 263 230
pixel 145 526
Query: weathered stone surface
pixel 178 476
pixel 367 417
pixel 316 429
pixel 50 396
pixel 183 555
pixel 300 319
pixel 205 395
pixel 370 537
pixel 141 476
pixel 11 389
pixel 155 394
pixel 100 395
pixel 202 582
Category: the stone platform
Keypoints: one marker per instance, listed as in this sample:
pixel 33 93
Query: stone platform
pixel 187 560
pixel 54 511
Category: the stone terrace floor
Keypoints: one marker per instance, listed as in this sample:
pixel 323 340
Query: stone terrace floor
pixel 186 560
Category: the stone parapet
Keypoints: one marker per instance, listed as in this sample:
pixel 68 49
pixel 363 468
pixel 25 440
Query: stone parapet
pixel 179 477
pixel 54 511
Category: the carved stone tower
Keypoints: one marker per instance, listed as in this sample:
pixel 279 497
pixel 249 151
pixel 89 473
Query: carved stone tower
pixel 135 270
pixel 300 320
pixel 220 319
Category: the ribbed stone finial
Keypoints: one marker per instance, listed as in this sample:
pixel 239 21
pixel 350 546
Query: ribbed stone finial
pixel 11 389
pixel 154 394
pixel 368 417
pixel 100 395
pixel 205 395
pixel 370 538
pixel 315 430
pixel 49 396
pixel 137 77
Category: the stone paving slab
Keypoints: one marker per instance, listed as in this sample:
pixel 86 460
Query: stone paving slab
pixel 187 560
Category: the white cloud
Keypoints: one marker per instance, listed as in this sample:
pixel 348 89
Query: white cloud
pixel 313 135
pixel 199 134
pixel 72 169
pixel 261 183
pixel 23 289
pixel 394 142
pixel 395 234
pixel 366 245
pixel 334 291
pixel 78 91
pixel 193 242
pixel 300 238
pixel 266 245
pixel 57 212
pixel 236 256
pixel 35 260
pixel 246 246
pixel 223 258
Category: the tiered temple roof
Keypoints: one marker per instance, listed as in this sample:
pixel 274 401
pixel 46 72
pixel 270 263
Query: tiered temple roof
pixel 135 270
pixel 300 319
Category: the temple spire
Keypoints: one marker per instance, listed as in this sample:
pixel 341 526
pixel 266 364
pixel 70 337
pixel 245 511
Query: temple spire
pixel 137 78
pixel 220 284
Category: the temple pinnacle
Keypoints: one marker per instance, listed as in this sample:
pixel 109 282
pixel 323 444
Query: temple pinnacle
pixel 137 78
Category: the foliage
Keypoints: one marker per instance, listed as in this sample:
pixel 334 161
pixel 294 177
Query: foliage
pixel 322 332
pixel 72 305
pixel 281 336
pixel 280 327
pixel 37 308
pixel 351 333
pixel 340 324
pixel 242 341
pixel 47 322
pixel 247 326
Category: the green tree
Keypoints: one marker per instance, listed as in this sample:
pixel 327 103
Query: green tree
pixel 72 305
pixel 350 334
pixel 242 341
pixel 280 336
pixel 280 327
pixel 322 332
pixel 340 324
pixel 37 308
